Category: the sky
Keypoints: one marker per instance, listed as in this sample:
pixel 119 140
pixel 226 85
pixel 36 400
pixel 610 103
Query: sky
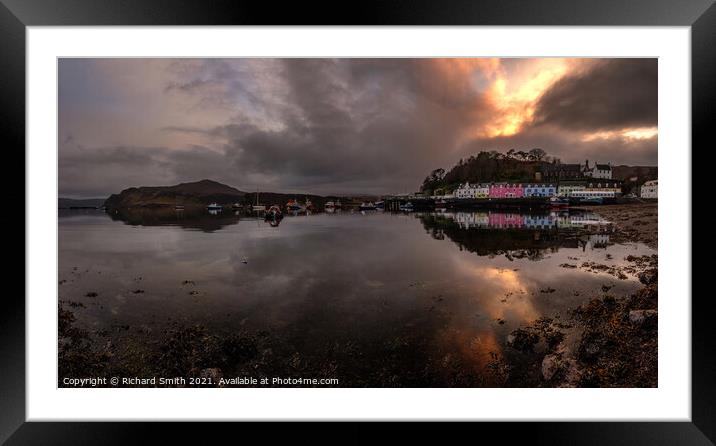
pixel 339 126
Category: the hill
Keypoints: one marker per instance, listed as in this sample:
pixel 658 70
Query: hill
pixel 199 193
pixel 487 167
pixel 640 173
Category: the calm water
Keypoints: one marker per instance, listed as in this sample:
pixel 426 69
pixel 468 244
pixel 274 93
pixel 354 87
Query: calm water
pixel 433 289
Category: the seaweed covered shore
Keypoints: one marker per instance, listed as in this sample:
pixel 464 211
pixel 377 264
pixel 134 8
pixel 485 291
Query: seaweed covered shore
pixel 610 341
pixel 634 222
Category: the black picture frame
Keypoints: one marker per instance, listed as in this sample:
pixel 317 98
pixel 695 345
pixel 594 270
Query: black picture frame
pixel 16 15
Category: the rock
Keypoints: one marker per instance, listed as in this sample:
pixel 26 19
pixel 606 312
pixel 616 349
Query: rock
pixel 649 277
pixel 643 317
pixel 567 369
pixel 522 340
pixel 550 366
pixel 214 374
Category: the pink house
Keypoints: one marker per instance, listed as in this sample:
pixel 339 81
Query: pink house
pixel 506 190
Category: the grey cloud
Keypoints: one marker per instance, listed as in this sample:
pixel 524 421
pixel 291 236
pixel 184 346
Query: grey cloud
pixel 611 94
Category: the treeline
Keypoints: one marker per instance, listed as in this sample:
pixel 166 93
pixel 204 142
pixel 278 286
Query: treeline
pixel 485 167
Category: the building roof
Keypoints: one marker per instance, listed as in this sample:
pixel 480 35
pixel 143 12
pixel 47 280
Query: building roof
pixel 562 167
pixel 603 167
pixel 573 183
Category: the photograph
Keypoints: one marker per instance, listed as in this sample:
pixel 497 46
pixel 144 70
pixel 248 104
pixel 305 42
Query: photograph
pixel 362 222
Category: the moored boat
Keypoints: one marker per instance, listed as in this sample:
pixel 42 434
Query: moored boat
pixel 273 213
pixel 559 201
pixel 214 207
pixel 294 205
pixel 407 207
pixel 367 206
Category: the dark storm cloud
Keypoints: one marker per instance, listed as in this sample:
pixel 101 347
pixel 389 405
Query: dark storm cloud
pixel 610 94
pixel 379 122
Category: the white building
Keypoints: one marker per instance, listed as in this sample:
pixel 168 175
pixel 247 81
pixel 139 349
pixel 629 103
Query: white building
pixel 603 171
pixel 593 194
pixel 649 189
pixel 468 190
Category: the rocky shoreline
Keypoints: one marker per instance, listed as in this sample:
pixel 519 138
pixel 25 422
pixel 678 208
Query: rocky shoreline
pixel 634 222
pixel 610 341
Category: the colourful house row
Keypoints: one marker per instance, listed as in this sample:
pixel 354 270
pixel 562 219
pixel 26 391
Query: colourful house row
pixel 505 190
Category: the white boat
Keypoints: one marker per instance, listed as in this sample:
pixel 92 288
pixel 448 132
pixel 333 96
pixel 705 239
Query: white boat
pixel 407 207
pixel 214 207
pixel 258 207
pixel 330 205
pixel 369 206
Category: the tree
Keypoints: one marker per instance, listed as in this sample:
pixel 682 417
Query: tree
pixel 537 154
pixel 438 174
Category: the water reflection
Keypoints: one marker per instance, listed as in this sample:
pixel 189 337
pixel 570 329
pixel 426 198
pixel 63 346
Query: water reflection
pixel 371 298
pixel 196 219
pixel 519 234
pixel 509 220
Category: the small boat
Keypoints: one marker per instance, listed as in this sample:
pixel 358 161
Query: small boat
pixel 330 205
pixel 214 207
pixel 309 205
pixel 559 202
pixel 407 207
pixel 380 204
pixel 237 206
pixel 592 200
pixel 273 213
pixel 294 205
pixel 179 207
pixel 367 206
pixel 258 207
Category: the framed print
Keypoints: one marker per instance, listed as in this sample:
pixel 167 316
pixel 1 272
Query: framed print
pixel 368 221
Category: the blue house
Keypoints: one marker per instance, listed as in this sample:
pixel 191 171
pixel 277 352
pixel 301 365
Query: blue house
pixel 540 190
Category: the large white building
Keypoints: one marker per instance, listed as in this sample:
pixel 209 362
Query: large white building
pixel 468 190
pixel 603 171
pixel 649 189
